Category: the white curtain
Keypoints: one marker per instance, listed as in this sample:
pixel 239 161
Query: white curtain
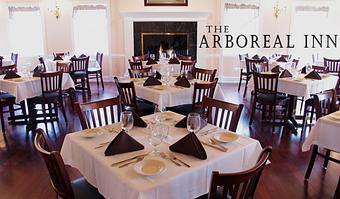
pixel 90 24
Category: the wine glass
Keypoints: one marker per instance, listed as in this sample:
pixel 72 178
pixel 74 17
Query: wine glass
pixel 193 122
pixel 156 136
pixel 126 121
pixel 158 113
pixel 167 78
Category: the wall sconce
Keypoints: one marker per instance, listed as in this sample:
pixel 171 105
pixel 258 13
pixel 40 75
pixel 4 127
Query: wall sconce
pixel 55 9
pixel 278 9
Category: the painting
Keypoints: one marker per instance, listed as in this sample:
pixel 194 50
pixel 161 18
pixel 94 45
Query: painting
pixel 165 2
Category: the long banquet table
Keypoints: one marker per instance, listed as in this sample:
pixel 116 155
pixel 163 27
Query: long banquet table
pixel 174 182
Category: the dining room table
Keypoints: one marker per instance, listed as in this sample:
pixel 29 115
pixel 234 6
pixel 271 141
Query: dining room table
pixel 6 62
pixel 180 182
pixel 167 94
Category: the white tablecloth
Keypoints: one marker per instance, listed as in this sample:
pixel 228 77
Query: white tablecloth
pixel 170 95
pixel 6 62
pixel 304 87
pixel 27 87
pixel 51 65
pixel 175 182
pixel 163 68
pixel 325 133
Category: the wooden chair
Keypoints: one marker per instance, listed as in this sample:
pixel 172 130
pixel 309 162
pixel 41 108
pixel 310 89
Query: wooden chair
pixel 243 74
pixel 140 73
pixel 185 57
pixel 129 99
pixel 200 90
pixel 204 74
pixel 65 67
pixel 249 66
pixel 78 70
pixel 9 68
pixel 332 64
pixel 1 58
pixel 61 183
pixel 138 58
pixel 99 113
pixel 320 69
pixel 187 66
pixel 14 58
pixel 135 65
pixel 96 72
pixel 265 94
pixel 51 95
pixel 324 104
pixel 42 62
pixel 240 185
pixel 221 114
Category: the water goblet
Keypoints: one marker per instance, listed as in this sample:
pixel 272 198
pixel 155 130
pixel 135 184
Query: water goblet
pixel 193 122
pixel 126 121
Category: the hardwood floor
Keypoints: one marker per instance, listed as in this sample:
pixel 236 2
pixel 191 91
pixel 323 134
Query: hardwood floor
pixel 23 173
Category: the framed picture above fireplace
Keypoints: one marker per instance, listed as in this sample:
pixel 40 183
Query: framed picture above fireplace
pixel 165 2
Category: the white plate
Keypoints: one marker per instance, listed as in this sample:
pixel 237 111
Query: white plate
pixel 225 137
pixel 150 167
pixel 90 133
pixel 335 115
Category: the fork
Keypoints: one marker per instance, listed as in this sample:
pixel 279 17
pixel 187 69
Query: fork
pixel 163 155
pixel 126 164
pixel 217 144
pixel 175 158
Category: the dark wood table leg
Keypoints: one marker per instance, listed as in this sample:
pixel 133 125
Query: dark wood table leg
pixel 311 162
pixel 292 123
pixel 32 123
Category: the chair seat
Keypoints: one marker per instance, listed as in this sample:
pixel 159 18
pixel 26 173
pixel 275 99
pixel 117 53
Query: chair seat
pixel 82 189
pixel 184 109
pixel 93 70
pixel 49 97
pixel 145 108
pixel 5 97
pixel 78 73
pixel 269 98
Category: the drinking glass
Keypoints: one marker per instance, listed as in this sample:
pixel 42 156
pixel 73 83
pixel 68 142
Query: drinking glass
pixel 167 78
pixel 156 136
pixel 158 113
pixel 126 121
pixel 193 122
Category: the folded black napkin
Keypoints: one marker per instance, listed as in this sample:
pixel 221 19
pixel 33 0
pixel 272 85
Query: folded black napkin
pixel 123 143
pixel 151 61
pixel 313 75
pixel 137 121
pixel 264 58
pixel 179 77
pixel 183 82
pixel 152 81
pixel 82 56
pixel 158 75
pixel 58 58
pixel 173 60
pixel 256 57
pixel 304 70
pixel 281 59
pixel 189 145
pixel 285 74
pixel 276 69
pixel 183 123
pixel 11 75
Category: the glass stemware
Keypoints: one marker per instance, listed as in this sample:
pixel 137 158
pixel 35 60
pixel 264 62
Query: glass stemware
pixel 126 121
pixel 193 122
pixel 157 134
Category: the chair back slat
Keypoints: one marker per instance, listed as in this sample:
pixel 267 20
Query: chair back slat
pixel 135 65
pixel 99 58
pixel 251 62
pixel 222 114
pixel 140 73
pixel 5 69
pixel 325 103
pixel 99 113
pixel 242 184
pixel 59 177
pixel 127 93
pixel 187 65
pixel 79 64
pixel 201 90
pixel 65 67
pixel 333 65
pixel 204 74
pixel 51 82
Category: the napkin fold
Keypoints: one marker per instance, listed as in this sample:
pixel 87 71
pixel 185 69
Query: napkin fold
pixel 151 61
pixel 58 58
pixel 11 75
pixel 281 59
pixel 276 69
pixel 183 123
pixel 173 61
pixel 123 143
pixel 37 70
pixel 264 58
pixel 313 75
pixel 152 81
pixel 158 75
pixel 82 56
pixel 137 121
pixel 256 57
pixel 285 74
pixel 183 82
pixel 189 145
pixel 304 70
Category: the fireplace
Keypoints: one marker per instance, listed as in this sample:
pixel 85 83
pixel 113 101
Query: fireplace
pixel 155 37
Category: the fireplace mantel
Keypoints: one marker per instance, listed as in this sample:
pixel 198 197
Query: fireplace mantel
pixel 129 17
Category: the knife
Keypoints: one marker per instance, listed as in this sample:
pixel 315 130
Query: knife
pixel 213 146
pixel 123 161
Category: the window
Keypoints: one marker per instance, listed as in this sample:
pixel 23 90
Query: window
pixel 242 19
pixel 26 38
pixel 90 29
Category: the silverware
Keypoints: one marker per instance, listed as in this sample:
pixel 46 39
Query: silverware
pixel 129 159
pixel 175 158
pixel 213 146
pixel 163 155
pixel 208 131
pixel 126 164
pixel 216 143
pixel 102 145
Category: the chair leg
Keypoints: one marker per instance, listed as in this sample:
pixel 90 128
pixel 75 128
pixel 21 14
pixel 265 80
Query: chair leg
pixel 325 163
pixel 11 111
pixel 304 120
pixel 2 120
pixel 101 79
pixel 253 106
pixel 273 111
pixel 311 162
pixel 23 109
pixel 245 88
pixel 239 83
pixel 63 110
pixel 88 85
pixel 97 77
